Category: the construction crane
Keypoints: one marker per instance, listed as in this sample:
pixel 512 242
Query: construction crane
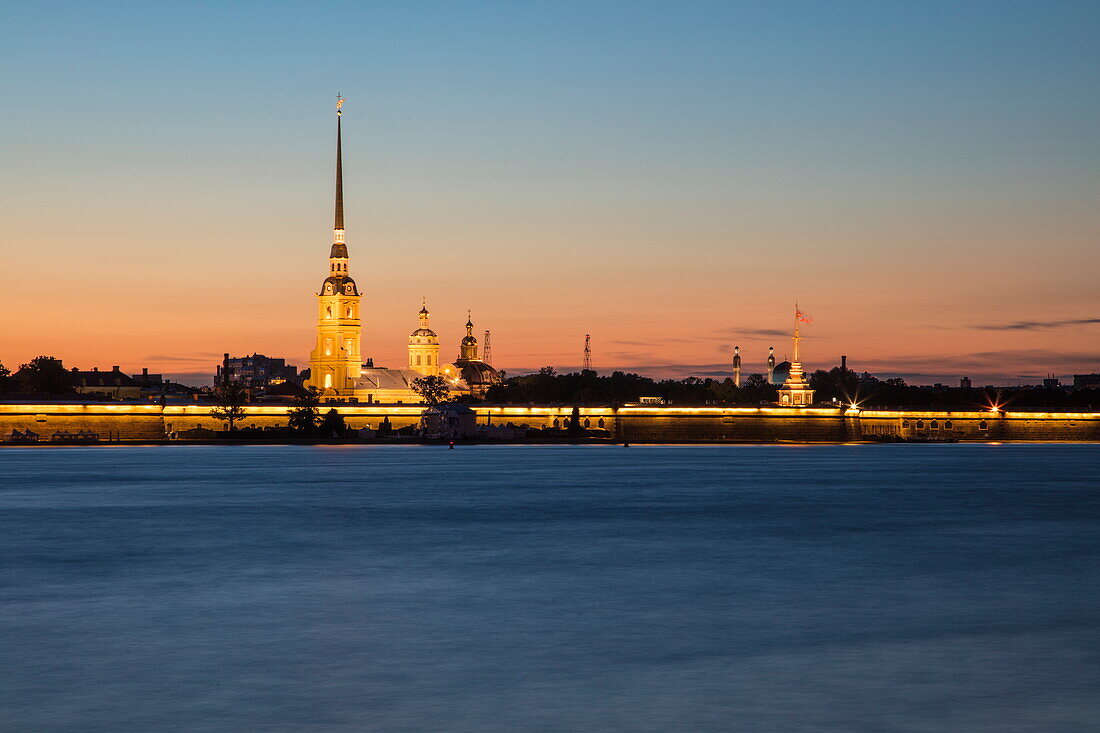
pixel 488 350
pixel 587 353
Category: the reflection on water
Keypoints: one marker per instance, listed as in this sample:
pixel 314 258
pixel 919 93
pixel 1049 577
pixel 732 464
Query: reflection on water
pixel 550 588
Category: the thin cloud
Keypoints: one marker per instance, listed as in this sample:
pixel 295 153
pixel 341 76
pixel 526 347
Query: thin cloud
pixel 201 358
pixel 655 342
pixel 1037 325
pixel 775 332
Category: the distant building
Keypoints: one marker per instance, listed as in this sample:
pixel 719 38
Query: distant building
pixel 256 371
pixel 1086 381
pixel 449 421
pixel 110 384
pixel 469 372
pixel 147 380
pixel 1052 382
pixel 965 383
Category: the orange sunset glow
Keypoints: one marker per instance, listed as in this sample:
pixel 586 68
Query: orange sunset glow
pixel 931 235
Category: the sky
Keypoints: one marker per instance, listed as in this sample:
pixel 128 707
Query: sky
pixel 922 178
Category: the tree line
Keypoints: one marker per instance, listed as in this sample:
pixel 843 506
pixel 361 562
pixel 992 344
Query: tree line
pixel 46 375
pixel 843 386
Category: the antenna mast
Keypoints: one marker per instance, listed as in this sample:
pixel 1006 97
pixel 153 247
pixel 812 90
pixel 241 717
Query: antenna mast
pixel 587 353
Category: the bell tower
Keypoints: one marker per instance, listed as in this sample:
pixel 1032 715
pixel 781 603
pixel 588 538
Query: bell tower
pixel 424 347
pixel 467 348
pixel 336 361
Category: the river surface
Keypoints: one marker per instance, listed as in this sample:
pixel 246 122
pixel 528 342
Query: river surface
pixel 550 588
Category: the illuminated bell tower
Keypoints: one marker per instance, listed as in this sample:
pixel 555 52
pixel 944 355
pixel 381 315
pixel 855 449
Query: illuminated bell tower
pixel 736 366
pixel 467 348
pixel 424 347
pixel 336 361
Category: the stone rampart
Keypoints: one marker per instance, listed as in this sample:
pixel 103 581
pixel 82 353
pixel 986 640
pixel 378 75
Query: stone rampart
pixel 644 424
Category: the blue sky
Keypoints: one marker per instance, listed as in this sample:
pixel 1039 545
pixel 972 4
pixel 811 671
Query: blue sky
pixel 667 176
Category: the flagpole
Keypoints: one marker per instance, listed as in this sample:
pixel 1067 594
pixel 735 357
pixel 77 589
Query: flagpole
pixel 796 336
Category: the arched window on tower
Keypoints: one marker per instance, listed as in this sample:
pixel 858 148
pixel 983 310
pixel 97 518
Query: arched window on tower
pixel 328 381
pixel 328 312
pixel 418 359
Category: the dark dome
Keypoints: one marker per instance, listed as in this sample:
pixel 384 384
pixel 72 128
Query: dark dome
pixel 781 372
pixel 340 286
pixel 425 332
pixel 339 250
pixel 476 373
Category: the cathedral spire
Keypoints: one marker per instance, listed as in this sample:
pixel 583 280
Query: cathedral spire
pixel 339 249
pixel 339 169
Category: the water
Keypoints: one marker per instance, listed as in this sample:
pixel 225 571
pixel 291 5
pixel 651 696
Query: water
pixel 550 588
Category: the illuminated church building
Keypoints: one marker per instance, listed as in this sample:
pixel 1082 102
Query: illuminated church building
pixel 336 365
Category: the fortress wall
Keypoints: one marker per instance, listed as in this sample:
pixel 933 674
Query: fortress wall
pixel 547 417
pixel 275 416
pixel 980 425
pixel 122 421
pixel 111 422
pixel 1051 426
pixel 730 428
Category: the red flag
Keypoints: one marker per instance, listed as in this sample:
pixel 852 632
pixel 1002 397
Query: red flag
pixel 804 317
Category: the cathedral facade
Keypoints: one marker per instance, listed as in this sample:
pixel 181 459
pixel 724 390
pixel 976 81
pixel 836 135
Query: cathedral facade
pixel 336 365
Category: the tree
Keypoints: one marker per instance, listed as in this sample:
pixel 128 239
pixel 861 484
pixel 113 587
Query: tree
pixel 332 425
pixel 432 389
pixel 723 391
pixel 5 379
pixel 229 401
pixel 305 415
pixel 573 424
pixel 43 375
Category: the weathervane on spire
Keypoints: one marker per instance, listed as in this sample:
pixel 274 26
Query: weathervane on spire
pixel 340 102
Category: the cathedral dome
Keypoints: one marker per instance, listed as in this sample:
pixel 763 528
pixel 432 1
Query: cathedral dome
pixel 781 372
pixel 423 333
pixel 476 373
